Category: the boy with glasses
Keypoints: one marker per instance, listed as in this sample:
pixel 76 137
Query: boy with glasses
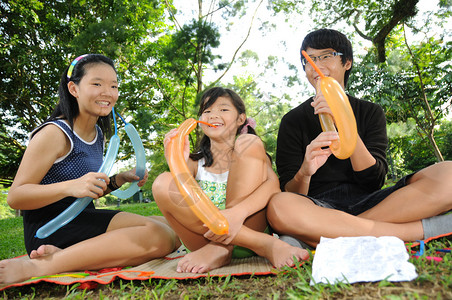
pixel 326 196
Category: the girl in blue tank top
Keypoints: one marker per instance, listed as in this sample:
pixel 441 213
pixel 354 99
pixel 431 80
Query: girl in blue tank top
pixel 61 164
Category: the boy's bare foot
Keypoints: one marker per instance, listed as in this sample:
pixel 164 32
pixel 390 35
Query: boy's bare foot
pixel 44 250
pixel 209 257
pixel 281 254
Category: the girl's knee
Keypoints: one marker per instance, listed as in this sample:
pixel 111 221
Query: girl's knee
pixel 160 186
pixel 161 238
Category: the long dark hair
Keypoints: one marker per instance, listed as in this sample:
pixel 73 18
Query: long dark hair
pixel 330 38
pixel 207 100
pixel 67 107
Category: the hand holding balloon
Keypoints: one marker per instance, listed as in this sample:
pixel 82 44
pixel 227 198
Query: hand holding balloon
pixel 89 185
pixel 322 108
pixel 131 176
pixel 342 111
pixel 325 115
pixel 190 190
pixel 166 142
pixel 317 153
pixel 235 220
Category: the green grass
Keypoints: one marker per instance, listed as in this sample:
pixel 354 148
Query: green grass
pixel 11 237
pixel 434 280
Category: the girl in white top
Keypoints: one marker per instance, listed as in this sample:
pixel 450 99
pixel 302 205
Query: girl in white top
pixel 250 183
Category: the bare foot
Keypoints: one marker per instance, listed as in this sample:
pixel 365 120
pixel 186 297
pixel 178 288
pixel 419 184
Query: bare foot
pixel 207 258
pixel 281 254
pixel 44 250
pixel 16 270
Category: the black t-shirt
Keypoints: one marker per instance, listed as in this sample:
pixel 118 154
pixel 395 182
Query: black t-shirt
pixel 300 126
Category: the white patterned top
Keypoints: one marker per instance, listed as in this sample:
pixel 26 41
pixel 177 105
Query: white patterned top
pixel 213 185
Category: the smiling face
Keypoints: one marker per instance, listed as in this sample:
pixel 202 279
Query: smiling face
pixel 331 67
pixel 224 115
pixel 97 91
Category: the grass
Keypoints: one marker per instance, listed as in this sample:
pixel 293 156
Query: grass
pixel 434 280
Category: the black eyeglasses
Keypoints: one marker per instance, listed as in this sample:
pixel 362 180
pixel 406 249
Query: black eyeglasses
pixel 324 57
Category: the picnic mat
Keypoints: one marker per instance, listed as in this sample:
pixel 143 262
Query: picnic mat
pixel 162 268
pixel 165 268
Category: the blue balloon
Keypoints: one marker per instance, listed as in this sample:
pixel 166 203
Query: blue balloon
pixel 110 157
pixel 140 168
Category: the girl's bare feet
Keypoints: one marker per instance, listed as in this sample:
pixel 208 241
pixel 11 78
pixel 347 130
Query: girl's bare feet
pixel 16 270
pixel 44 250
pixel 209 257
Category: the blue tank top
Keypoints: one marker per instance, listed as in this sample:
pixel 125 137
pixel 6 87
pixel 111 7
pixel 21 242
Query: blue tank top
pixel 83 157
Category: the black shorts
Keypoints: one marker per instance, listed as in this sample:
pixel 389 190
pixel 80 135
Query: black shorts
pixel 350 200
pixel 91 222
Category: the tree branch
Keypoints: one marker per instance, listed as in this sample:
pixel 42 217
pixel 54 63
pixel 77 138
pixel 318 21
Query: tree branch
pixel 401 11
pixel 355 25
pixel 172 14
pixel 240 46
pixel 218 9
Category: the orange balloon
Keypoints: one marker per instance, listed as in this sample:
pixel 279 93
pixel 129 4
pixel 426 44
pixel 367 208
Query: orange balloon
pixel 343 114
pixel 190 190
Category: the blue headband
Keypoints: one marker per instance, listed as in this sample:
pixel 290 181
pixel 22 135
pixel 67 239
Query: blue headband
pixel 71 67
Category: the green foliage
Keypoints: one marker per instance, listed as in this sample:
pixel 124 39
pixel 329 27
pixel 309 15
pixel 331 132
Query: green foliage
pixel 444 139
pixel 5 210
pixel 193 43
pixel 419 153
pixel 413 83
pixel 162 63
pixel 413 80
pixel 38 42
pixel 409 152
pixel 266 110
pixel 287 7
pixel 395 84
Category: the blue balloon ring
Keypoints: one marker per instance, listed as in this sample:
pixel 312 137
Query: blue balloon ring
pixel 110 157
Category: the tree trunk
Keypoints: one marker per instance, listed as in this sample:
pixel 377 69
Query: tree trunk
pixel 439 156
pixel 403 10
pixel 428 110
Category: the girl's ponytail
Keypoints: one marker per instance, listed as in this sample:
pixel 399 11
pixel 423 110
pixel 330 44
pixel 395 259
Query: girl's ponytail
pixel 248 126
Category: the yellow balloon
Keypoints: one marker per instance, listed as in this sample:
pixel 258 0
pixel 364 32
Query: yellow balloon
pixel 190 190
